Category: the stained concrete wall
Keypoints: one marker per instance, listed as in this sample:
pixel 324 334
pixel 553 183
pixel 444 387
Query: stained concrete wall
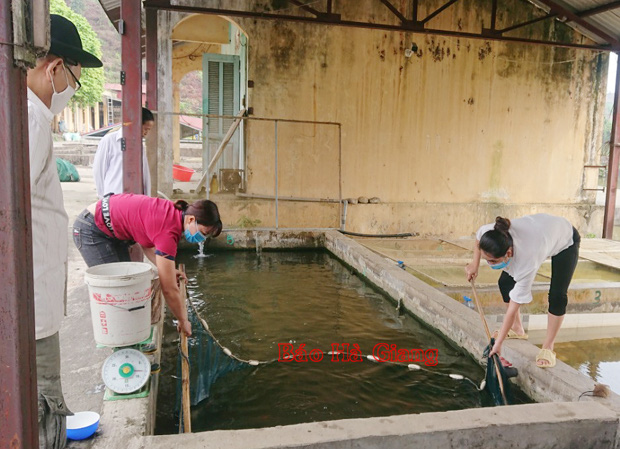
pixel 462 120
pixel 201 28
pixel 505 126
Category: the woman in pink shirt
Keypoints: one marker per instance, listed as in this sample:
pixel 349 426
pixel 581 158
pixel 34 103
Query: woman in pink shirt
pixel 104 231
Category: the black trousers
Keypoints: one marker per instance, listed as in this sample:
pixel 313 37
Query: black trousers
pixel 563 267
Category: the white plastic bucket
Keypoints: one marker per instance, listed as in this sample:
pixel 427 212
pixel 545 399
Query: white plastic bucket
pixel 120 302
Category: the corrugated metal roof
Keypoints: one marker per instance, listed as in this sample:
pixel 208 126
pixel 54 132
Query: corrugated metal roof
pixel 112 9
pixel 110 4
pixel 607 20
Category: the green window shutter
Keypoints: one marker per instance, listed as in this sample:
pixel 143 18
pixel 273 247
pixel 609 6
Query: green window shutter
pixel 228 94
pixel 221 93
pixel 215 87
pixel 221 97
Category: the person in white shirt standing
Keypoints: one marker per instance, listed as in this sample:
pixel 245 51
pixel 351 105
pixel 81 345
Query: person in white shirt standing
pixel 108 163
pixel 51 84
pixel 519 247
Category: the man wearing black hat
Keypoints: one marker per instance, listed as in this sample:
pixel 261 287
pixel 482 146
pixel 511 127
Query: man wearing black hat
pixel 51 84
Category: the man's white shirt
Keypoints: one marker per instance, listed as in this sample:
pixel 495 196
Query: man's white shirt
pixel 108 166
pixel 50 223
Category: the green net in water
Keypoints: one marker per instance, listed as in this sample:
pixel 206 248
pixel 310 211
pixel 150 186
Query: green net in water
pixel 208 361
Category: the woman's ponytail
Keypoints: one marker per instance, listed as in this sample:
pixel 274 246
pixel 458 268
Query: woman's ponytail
pixel 181 205
pixel 502 224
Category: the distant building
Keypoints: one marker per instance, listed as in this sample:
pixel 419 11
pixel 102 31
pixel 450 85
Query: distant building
pixel 83 119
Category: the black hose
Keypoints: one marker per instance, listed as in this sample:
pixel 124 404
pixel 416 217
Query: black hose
pixel 381 236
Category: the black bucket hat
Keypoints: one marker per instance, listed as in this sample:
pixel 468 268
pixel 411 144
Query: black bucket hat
pixel 66 43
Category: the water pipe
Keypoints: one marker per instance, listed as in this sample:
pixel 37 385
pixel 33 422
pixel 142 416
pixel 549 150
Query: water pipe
pixel 380 236
pixel 163 195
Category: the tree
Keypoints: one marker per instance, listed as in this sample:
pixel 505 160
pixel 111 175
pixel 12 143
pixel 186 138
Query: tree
pixel 107 34
pixel 92 79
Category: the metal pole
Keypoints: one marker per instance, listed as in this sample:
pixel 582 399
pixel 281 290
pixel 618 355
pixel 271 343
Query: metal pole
pixel 276 192
pixel 151 94
pixel 18 388
pixel 340 211
pixel 131 79
pixel 612 170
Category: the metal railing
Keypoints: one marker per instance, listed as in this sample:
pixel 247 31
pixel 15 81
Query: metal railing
pixel 235 126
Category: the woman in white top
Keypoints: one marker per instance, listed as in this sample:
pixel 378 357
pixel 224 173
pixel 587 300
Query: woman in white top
pixel 519 248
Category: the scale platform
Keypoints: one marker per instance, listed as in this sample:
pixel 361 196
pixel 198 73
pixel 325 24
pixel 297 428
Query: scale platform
pixel 143 392
pixel 120 371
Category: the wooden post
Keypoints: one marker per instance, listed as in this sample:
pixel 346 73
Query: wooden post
pixel 204 181
pixel 486 328
pixel 185 400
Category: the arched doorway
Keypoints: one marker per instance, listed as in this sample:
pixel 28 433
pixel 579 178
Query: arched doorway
pixel 218 48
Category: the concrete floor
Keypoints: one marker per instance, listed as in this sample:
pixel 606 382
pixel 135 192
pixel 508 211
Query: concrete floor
pixel 81 361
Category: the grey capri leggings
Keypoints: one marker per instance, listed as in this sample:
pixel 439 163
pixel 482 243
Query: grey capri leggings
pixel 95 245
pixel 562 268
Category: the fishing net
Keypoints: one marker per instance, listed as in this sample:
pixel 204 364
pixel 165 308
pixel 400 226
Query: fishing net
pixel 208 361
pixel 496 380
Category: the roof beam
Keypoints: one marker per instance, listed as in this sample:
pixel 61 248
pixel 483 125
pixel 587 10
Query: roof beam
pixel 395 11
pixel 409 26
pixel 493 15
pixel 306 7
pixel 439 10
pixel 529 22
pixel 328 16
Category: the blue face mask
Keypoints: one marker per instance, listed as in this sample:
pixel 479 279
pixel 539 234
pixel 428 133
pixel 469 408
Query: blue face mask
pixel 499 266
pixel 198 237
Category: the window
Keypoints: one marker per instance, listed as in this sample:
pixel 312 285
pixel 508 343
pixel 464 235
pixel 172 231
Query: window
pixel 221 86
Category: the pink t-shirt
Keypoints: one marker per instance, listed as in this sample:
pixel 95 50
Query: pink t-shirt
pixel 151 222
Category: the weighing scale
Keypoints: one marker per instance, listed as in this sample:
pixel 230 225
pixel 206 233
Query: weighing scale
pixel 126 371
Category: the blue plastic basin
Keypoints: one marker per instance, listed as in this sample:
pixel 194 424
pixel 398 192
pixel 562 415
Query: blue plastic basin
pixel 82 425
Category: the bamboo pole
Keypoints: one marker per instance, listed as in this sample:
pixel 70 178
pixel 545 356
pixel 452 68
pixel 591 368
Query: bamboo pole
pixel 486 328
pixel 185 401
pixel 233 127
pixel 479 307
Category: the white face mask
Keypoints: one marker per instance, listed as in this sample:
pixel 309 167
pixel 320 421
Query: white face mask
pixel 61 99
